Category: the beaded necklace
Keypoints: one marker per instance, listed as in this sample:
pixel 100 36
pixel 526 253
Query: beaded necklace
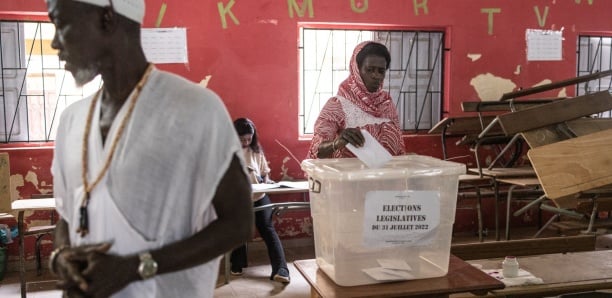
pixel 83 229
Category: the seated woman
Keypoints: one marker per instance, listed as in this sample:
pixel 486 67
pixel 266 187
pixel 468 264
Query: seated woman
pixel 361 103
pixel 259 173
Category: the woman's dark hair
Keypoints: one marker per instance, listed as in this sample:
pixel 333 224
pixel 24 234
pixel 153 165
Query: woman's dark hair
pixel 373 49
pixel 245 126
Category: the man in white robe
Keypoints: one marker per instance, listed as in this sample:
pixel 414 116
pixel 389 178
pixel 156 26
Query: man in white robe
pixel 167 188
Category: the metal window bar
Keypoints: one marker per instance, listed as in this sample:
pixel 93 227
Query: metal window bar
pixel 32 115
pixel 594 54
pixel 412 76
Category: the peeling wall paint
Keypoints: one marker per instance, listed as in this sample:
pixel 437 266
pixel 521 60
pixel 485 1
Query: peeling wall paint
pixel 16 181
pixel 268 21
pixel 284 170
pixel 562 93
pixel 474 57
pixel 490 87
pixel 205 80
pixel 33 178
pixel 518 70
pixel 543 82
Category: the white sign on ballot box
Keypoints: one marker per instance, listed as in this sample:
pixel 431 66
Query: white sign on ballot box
pixel 395 218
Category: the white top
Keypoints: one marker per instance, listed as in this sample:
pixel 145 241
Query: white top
pixel 159 189
pixel 33 204
pixel 257 166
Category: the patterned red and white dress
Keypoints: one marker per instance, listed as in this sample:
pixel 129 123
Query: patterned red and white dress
pixel 354 106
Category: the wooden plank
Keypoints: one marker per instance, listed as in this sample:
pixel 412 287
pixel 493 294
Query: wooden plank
pixel 579 127
pixel 505 172
pixel 561 273
pixel 585 126
pixel 555 112
pixel 575 165
pixel 5 183
pixel 576 225
pixel 491 106
pixel 462 125
pixel 523 247
pixel 521 181
pixel 555 85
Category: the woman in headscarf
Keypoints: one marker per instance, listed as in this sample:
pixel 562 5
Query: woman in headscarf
pixel 361 103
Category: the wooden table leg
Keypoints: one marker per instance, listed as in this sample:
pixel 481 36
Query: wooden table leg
pixel 21 254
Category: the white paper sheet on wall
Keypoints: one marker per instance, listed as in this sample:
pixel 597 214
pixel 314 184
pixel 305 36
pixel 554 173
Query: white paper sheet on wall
pixel 544 45
pixel 165 45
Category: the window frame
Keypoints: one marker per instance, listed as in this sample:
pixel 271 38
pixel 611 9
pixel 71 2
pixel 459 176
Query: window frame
pixel 593 85
pixel 442 60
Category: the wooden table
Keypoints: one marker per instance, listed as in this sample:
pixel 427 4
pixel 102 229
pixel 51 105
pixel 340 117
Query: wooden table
pixel 561 273
pixel 21 206
pixel 461 277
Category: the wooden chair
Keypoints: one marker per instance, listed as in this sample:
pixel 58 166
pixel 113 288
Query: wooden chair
pixel 39 231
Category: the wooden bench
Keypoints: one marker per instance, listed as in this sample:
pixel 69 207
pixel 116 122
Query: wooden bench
pixel 523 247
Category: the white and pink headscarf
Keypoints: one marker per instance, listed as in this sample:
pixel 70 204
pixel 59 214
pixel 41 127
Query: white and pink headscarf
pixel 355 90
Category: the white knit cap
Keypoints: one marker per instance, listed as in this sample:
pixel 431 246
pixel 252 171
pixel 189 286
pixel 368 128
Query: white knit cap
pixel 131 9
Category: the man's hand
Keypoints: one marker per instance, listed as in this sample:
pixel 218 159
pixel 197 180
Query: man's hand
pixel 69 270
pixel 89 271
pixel 106 273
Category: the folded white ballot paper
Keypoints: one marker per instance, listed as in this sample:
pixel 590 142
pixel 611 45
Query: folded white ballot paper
pixel 372 154
pixel 390 269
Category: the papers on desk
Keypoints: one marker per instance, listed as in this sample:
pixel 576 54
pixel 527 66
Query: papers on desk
pixel 524 278
pixel 372 154
pixel 289 184
pixel 390 269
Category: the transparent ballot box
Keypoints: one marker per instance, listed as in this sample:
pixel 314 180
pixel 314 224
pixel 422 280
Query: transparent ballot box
pixel 385 224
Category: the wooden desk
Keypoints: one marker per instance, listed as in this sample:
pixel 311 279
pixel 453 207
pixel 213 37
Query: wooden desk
pixel 561 273
pixel 460 126
pixel 461 277
pixel 298 187
pixel 505 172
pixel 500 173
pixel 21 206
pixel 525 182
pixel 282 190
pixel 476 182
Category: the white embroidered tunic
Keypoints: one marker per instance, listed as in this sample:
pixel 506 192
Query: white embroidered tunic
pixel 159 189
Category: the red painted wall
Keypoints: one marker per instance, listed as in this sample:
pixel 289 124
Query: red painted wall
pixel 253 61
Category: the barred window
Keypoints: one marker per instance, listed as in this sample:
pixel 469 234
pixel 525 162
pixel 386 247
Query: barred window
pixel 414 78
pixel 34 87
pixel 594 55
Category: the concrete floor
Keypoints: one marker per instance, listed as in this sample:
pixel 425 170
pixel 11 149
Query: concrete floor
pixel 255 280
